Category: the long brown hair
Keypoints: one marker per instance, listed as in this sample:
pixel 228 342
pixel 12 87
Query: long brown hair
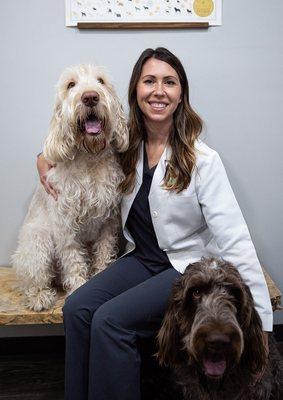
pixel 187 127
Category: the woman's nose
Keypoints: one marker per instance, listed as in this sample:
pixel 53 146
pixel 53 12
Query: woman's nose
pixel 159 89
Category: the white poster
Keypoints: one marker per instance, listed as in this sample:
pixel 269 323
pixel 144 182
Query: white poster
pixel 113 11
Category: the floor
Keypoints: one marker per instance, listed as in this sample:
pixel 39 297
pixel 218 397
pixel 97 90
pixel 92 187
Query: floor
pixel 33 368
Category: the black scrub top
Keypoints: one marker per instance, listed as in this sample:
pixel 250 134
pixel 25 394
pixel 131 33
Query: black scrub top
pixel 139 224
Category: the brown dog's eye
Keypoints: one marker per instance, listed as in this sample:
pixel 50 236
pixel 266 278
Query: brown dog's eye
pixel 100 80
pixel 71 84
pixel 196 293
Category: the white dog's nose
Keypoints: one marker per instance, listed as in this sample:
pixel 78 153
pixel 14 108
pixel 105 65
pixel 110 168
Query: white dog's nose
pixel 90 99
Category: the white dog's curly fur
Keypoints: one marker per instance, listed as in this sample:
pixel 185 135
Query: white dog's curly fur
pixel 77 234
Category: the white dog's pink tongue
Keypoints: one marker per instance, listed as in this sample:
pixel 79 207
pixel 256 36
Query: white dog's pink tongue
pixel 214 368
pixel 93 126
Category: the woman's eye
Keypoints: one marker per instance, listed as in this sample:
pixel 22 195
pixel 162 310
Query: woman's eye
pixel 170 83
pixel 148 81
pixel 71 84
pixel 100 80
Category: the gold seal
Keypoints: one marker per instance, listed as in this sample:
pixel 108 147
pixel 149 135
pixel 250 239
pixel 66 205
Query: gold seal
pixel 203 8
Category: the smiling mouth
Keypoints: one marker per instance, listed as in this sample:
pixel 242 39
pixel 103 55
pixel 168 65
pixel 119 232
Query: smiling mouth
pixel 91 125
pixel 157 105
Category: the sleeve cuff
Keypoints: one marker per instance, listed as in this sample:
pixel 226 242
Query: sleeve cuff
pixel 267 322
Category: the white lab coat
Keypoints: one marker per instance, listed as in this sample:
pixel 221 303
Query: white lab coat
pixel 202 220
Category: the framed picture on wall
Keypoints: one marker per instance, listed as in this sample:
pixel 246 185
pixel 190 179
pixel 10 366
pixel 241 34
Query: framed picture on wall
pixel 143 13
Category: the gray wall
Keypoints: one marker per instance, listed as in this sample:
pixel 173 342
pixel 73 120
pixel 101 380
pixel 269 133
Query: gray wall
pixel 236 80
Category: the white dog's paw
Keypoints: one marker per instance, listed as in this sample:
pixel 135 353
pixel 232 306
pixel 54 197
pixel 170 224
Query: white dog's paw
pixel 40 299
pixel 73 283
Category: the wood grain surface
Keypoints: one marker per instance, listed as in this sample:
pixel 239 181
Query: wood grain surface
pixel 13 310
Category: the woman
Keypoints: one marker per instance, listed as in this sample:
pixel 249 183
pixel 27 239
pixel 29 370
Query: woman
pixel 177 207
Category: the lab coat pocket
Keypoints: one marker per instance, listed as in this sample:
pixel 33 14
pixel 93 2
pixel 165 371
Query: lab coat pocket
pixel 185 215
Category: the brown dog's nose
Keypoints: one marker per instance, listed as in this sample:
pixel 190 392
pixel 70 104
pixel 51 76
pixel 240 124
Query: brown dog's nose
pixel 217 340
pixel 90 99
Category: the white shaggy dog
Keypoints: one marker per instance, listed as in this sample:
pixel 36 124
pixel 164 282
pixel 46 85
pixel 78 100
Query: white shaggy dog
pixel 77 234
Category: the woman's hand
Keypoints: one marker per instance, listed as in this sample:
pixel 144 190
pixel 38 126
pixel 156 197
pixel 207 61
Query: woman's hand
pixel 43 166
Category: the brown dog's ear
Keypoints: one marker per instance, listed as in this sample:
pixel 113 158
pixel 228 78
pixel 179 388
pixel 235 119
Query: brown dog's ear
pixel 168 338
pixel 254 357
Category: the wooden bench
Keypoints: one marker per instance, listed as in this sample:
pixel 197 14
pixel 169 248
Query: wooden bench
pixel 274 292
pixel 12 304
pixel 13 311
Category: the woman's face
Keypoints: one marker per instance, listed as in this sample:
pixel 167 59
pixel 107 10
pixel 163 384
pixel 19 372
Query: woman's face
pixel 158 91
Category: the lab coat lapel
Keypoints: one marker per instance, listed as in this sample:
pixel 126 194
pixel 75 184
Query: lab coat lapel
pixel 159 173
pixel 128 199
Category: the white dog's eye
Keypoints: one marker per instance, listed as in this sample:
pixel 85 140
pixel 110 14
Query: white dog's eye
pixel 71 84
pixel 100 80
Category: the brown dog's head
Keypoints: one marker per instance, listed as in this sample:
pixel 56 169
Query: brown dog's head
pixel 211 322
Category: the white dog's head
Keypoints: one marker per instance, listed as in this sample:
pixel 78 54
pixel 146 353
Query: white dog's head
pixel 87 115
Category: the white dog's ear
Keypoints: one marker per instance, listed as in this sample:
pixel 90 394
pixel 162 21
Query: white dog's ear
pixel 120 136
pixel 60 143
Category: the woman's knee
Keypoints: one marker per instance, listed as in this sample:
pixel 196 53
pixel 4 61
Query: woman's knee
pixel 110 320
pixel 104 319
pixel 74 309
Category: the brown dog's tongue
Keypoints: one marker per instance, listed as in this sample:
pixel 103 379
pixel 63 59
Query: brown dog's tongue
pixel 214 368
pixel 93 126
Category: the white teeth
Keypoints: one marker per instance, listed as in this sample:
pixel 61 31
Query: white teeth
pixel 158 105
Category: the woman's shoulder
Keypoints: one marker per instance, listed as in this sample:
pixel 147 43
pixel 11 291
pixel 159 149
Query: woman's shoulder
pixel 204 153
pixel 209 166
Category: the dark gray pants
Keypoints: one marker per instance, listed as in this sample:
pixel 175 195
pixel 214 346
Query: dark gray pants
pixel 103 320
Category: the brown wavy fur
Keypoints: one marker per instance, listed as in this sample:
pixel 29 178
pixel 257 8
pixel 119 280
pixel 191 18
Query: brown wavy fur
pixel 212 299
